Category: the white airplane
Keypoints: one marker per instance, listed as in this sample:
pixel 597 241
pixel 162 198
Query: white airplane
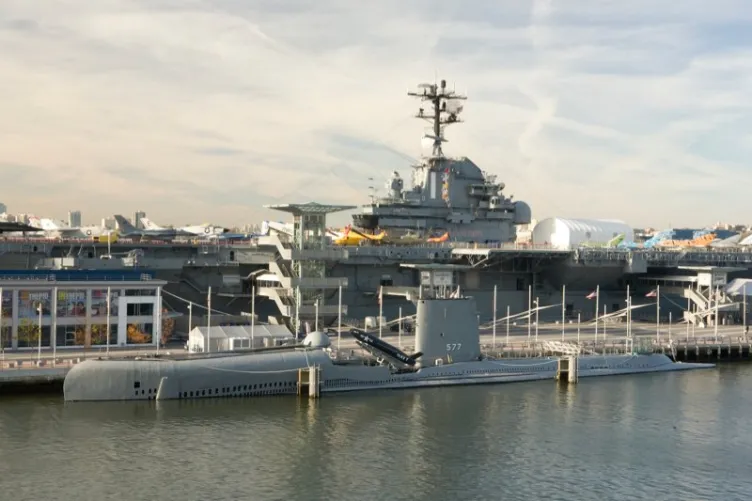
pixel 200 230
pixel 51 229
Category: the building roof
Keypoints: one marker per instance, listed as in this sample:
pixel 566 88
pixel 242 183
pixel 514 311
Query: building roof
pixel 243 331
pixel 309 208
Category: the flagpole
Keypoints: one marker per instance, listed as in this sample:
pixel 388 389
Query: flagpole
pixel 339 318
pixel 744 311
pixel 253 317
pixel 605 309
pixel 494 319
pixel 563 309
pixel 629 317
pixel 109 291
pixel 507 343
pixel 208 321
pixel 658 314
pixel 53 326
pixel 537 307
pixel 529 312
pixel 597 307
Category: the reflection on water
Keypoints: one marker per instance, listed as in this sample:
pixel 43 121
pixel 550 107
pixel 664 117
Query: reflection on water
pixel 663 436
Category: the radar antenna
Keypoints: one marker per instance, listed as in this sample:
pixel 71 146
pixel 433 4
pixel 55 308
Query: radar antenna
pixel 441 115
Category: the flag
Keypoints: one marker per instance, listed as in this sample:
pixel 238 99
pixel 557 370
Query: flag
pixel 381 295
pixel 592 295
pixel 652 293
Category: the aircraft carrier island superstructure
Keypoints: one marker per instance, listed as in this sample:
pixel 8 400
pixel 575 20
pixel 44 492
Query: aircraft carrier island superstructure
pixel 449 196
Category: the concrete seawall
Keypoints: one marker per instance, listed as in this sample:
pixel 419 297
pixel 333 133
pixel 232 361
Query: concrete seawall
pixel 32 379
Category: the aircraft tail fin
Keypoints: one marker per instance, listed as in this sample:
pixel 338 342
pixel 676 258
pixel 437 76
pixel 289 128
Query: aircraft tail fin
pixel 124 224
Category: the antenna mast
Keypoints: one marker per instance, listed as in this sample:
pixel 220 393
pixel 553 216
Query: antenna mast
pixel 441 116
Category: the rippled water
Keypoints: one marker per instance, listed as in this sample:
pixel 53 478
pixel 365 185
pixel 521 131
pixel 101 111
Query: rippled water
pixel 653 437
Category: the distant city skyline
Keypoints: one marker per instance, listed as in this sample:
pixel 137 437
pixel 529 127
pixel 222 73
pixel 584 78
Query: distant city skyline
pixel 205 110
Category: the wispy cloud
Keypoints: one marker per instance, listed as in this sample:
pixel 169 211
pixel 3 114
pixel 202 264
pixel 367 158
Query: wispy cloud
pixel 206 109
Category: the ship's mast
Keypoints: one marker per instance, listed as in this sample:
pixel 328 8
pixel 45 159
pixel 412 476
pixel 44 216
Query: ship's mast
pixel 438 96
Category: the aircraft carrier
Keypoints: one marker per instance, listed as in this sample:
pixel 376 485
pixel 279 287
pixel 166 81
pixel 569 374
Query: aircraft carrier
pixel 455 219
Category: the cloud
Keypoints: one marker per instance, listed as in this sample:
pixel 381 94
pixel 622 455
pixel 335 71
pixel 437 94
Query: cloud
pixel 194 110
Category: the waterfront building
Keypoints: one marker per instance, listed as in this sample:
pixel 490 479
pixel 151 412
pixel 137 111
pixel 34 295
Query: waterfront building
pixel 73 306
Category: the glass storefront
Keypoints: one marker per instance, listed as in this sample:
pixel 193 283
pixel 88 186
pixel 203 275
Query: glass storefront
pixel 6 336
pixel 7 305
pixel 99 334
pixel 71 303
pixel 28 318
pixel 28 302
pixel 71 335
pixel 139 333
pixel 99 303
pixel 28 334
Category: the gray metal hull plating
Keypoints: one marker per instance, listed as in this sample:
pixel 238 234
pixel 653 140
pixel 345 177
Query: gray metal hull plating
pixel 256 375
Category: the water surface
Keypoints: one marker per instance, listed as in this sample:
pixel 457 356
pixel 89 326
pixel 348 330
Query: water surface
pixel 675 436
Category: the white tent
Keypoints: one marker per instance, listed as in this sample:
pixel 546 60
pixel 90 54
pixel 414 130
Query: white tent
pixel 238 337
pixel 566 234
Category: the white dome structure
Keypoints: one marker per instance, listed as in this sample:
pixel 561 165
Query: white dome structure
pixel 317 339
pixel 566 234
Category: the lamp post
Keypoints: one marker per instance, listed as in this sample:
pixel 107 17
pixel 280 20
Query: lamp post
pixel 537 307
pixel 109 292
pixel 494 318
pixel 190 317
pixel 39 345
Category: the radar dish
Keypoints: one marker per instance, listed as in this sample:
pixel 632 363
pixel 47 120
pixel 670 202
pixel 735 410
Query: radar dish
pixel 425 86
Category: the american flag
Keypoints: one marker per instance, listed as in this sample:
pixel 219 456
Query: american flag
pixel 652 293
pixel 592 295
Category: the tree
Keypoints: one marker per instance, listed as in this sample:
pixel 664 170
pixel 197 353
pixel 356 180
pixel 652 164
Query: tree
pixel 99 334
pixel 28 332
pixel 136 336
pixel 168 327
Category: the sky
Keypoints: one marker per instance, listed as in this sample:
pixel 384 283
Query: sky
pixel 205 110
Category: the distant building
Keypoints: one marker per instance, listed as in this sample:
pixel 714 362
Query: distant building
pixel 137 216
pixel 3 208
pixel 74 219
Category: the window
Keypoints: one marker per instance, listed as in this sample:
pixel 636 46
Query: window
pixel 140 292
pixel 7 305
pixel 99 303
pixel 71 303
pixel 28 302
pixel 6 334
pixel 140 309
pixel 70 335
pixel 139 333
pixel 99 334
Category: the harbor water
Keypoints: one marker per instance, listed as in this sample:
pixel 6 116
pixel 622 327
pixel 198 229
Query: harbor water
pixel 671 436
